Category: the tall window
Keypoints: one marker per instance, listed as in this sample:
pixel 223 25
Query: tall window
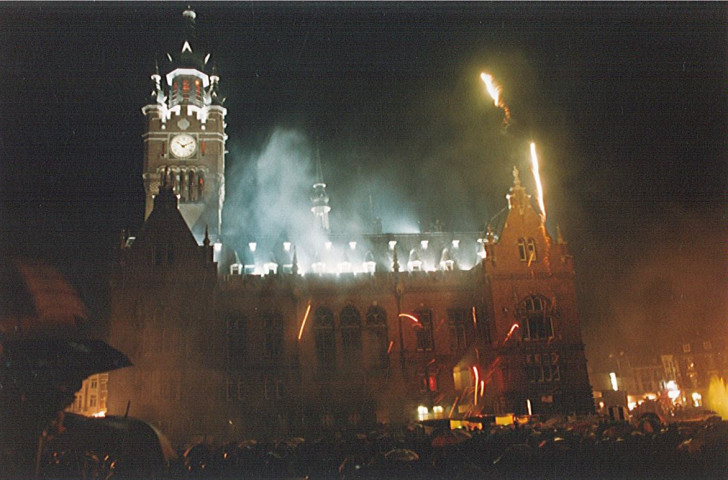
pixel 527 250
pixel 378 338
pixel 273 327
pixel 459 323
pixel 236 327
pixel 536 323
pixel 350 334
pixel 425 339
pixel 325 339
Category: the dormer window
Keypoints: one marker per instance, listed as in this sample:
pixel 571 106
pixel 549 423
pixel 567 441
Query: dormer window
pixel 527 250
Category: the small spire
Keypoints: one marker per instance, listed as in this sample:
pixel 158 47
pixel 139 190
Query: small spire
pixel 294 267
pixel 206 242
pixel 516 177
pixel 559 237
pixel 395 260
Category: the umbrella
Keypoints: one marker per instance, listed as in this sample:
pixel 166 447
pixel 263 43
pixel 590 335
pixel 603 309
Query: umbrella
pixel 401 455
pixel 85 357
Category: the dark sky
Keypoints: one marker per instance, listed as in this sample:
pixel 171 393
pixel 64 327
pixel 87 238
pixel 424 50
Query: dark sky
pixel 626 101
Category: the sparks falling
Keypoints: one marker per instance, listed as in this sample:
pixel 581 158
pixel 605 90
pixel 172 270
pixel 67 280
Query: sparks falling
pixel 537 178
pixel 411 317
pixel 303 323
pixel 476 373
pixel 510 332
pixel 494 90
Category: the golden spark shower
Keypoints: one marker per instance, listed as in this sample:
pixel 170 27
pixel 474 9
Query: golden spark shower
pixel 494 90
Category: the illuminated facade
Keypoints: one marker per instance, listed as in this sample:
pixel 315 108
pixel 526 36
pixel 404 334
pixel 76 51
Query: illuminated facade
pixel 371 328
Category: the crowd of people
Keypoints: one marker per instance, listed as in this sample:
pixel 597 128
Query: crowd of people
pixel 553 449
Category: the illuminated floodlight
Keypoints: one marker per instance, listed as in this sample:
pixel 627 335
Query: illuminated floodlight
pixel 392 244
pixel 252 246
pixel 437 409
pixel 218 247
pixel 424 244
pixel 370 266
pixel 328 245
pixel 415 265
pixel 352 245
pixel 287 246
pixel 613 380
pixel 456 244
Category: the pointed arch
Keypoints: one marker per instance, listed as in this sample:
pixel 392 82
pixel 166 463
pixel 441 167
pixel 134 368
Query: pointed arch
pixel 323 324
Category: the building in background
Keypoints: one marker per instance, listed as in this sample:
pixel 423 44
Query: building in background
pixel 334 331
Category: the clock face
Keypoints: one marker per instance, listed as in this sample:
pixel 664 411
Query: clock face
pixel 183 146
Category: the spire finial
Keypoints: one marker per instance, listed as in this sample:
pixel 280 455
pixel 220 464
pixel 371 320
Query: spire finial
pixel 319 172
pixel 395 260
pixel 206 242
pixel 294 267
pixel 516 177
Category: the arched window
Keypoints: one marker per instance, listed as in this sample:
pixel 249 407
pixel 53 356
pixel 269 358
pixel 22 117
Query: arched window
pixel 350 334
pixel 378 338
pixel 273 327
pixel 323 324
pixel 183 191
pixel 460 325
pixel 425 338
pixel 191 191
pixel 535 315
pixel 236 329
pixel 200 185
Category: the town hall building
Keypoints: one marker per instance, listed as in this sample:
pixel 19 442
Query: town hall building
pixel 287 336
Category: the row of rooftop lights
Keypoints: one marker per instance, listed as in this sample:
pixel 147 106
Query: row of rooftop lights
pixel 253 246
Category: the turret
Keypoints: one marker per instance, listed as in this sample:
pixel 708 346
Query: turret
pixel 320 199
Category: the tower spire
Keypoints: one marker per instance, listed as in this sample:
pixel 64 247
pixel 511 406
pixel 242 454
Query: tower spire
pixel 319 198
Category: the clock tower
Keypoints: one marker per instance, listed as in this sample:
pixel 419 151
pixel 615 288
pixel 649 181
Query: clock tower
pixel 184 137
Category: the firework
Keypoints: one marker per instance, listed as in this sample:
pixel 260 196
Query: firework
pixel 494 90
pixel 303 323
pixel 537 178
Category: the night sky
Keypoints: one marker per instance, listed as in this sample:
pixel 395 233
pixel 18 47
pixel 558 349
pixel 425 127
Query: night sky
pixel 626 102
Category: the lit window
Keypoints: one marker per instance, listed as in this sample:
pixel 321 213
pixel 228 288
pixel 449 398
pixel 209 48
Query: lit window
pixel 522 255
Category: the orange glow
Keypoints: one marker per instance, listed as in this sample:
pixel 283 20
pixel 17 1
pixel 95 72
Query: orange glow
pixel 389 348
pixel 303 323
pixel 476 384
pixel 475 319
pixel 494 90
pixel 537 178
pixel 482 388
